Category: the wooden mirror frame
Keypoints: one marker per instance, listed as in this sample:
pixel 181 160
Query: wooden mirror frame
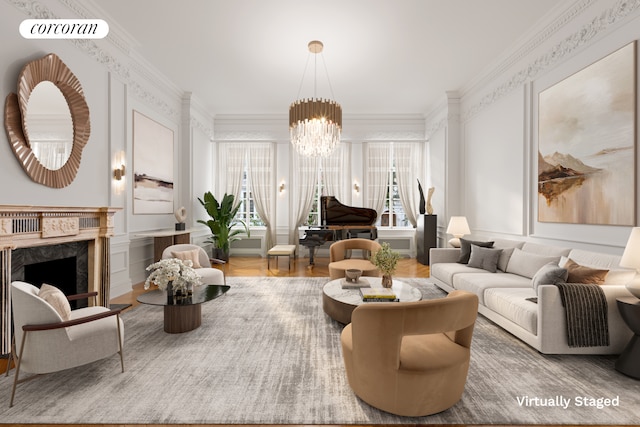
pixel 49 68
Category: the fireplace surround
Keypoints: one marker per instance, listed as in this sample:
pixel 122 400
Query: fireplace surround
pixel 61 227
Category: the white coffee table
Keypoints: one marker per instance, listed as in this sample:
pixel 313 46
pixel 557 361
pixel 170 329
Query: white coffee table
pixel 339 303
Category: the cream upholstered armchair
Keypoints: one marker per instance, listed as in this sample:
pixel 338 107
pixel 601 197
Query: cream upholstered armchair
pixel 50 337
pixel 338 262
pixel 201 262
pixel 412 358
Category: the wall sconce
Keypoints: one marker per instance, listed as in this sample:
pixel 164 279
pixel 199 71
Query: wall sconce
pixel 356 187
pixel 118 173
pixel 281 187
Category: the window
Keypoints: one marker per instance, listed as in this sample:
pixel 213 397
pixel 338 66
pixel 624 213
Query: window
pixel 314 213
pixel 393 215
pixel 247 211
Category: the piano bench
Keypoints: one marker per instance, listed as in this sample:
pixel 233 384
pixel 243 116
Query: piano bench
pixel 281 250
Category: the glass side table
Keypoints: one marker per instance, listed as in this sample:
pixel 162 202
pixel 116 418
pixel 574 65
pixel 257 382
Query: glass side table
pixel 629 361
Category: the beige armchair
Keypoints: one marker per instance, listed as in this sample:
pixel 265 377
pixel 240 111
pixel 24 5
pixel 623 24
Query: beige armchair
pixel 50 337
pixel 412 358
pixel 338 262
pixel 201 262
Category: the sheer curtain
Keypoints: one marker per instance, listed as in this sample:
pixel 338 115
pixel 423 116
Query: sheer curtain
pixel 377 174
pixel 408 161
pixel 336 173
pixel 233 158
pixel 304 178
pixel 261 177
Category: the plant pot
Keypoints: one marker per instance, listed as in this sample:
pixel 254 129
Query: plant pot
pixel 387 281
pixel 219 253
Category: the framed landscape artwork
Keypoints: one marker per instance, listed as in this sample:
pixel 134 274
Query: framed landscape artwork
pixel 152 166
pixel 586 144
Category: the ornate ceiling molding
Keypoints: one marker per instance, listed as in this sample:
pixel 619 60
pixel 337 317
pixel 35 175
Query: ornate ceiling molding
pixel 598 25
pixel 34 9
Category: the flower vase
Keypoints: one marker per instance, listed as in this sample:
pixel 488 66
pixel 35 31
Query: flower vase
pixel 170 292
pixel 387 281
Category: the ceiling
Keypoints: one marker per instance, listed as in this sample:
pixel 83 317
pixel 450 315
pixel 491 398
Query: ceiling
pixel 381 56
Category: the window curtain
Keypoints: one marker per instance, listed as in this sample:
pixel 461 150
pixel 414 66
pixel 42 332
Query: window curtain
pixel 377 173
pixel 261 178
pixel 408 161
pixel 233 160
pixel 336 172
pixel 304 176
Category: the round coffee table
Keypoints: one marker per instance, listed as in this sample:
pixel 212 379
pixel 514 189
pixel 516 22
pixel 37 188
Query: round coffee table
pixel 183 314
pixel 339 303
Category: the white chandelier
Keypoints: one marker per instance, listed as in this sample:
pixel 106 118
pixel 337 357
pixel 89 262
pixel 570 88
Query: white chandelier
pixel 315 124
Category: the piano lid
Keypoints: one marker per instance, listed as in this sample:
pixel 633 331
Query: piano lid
pixel 332 212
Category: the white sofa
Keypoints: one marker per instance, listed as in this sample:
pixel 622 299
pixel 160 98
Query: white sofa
pixel 504 295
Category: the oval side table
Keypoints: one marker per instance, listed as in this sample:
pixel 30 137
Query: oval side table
pixel 629 361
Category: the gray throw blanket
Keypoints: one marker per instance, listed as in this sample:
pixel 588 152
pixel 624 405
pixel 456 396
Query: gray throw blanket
pixel 586 314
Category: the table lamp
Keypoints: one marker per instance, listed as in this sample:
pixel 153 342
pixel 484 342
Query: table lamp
pixel 631 259
pixel 458 227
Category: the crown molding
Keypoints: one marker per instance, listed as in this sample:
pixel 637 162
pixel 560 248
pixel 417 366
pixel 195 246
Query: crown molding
pixel 599 25
pixel 123 69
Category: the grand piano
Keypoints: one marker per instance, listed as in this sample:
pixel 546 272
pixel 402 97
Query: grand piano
pixel 339 222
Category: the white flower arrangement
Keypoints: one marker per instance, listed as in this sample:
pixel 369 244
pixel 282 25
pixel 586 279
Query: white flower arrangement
pixel 179 272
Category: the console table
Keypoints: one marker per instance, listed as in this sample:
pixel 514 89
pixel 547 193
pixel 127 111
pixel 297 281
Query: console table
pixel 162 239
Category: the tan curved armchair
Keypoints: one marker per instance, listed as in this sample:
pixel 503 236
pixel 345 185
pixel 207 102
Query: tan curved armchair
pixel 338 262
pixel 46 342
pixel 412 358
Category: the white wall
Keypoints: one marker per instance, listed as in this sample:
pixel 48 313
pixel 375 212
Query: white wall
pixel 498 125
pixel 115 82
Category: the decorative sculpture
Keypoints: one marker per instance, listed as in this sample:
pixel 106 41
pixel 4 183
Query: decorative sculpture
pixel 430 195
pixel 421 204
pixel 181 215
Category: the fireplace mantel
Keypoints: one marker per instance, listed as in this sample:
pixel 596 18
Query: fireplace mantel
pixel 29 226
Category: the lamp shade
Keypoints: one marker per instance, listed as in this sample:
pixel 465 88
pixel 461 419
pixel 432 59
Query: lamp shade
pixel 458 226
pixel 631 259
pixel 631 255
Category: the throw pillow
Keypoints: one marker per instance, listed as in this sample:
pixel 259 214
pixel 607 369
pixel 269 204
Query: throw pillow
pixel 465 249
pixel 192 255
pixel 56 299
pixel 527 264
pixel 503 261
pixel 484 258
pixel 549 274
pixel 582 274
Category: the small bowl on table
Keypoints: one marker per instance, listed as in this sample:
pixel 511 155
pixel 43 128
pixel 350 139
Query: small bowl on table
pixel 353 274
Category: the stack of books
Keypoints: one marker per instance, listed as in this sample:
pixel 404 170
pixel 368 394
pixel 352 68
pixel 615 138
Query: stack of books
pixel 378 295
pixel 350 284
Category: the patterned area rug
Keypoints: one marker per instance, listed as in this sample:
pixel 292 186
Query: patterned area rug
pixel 266 353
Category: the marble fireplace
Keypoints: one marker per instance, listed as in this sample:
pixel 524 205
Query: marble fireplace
pixel 68 246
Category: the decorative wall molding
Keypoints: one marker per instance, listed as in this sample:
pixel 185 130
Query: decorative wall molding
pixel 598 25
pixel 34 9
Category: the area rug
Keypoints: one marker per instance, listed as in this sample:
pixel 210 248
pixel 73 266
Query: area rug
pixel 266 353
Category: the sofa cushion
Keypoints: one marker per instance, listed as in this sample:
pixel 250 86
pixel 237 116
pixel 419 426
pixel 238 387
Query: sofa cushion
pixel 546 250
pixel 465 249
pixel 478 283
pixel 56 299
pixel 616 276
pixel 484 258
pixel 507 247
pixel 512 304
pixel 192 255
pixel 583 274
pixel 527 264
pixel 549 274
pixel 445 271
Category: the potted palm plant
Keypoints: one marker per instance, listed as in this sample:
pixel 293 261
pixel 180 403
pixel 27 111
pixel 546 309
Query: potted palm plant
pixel 222 223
